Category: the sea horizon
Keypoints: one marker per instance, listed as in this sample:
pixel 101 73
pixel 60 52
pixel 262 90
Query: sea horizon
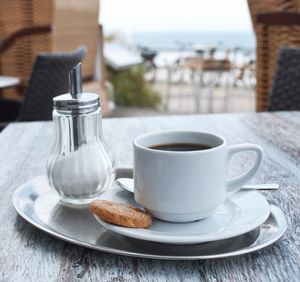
pixel 168 40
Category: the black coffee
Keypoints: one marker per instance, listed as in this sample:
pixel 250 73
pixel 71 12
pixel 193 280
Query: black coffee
pixel 181 147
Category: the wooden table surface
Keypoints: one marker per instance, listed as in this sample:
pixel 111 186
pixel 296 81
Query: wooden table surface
pixel 28 254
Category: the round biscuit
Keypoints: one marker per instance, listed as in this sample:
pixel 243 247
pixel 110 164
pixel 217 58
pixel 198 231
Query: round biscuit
pixel 121 214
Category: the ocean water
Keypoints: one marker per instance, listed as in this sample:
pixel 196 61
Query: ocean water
pixel 172 46
pixel 187 40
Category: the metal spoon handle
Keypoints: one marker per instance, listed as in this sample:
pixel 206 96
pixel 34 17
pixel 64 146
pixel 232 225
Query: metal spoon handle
pixel 266 186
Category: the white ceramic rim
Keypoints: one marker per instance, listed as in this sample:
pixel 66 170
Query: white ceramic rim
pixel 166 132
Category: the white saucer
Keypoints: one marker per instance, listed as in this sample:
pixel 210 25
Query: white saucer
pixel 241 213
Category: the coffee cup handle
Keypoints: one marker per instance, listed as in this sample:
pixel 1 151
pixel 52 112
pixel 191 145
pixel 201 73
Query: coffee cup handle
pixel 236 183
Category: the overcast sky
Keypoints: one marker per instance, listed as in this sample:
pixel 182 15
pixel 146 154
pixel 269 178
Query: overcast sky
pixel 175 15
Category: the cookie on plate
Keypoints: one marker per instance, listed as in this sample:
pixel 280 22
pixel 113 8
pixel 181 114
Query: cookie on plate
pixel 121 214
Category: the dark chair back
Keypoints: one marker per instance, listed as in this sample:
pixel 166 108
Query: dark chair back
pixel 285 91
pixel 49 78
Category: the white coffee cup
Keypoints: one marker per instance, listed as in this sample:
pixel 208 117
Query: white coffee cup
pixel 184 186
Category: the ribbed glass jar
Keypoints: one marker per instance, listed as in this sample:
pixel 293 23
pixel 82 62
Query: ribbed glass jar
pixel 79 166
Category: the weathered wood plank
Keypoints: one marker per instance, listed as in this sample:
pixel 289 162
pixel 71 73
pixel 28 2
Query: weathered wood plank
pixel 28 254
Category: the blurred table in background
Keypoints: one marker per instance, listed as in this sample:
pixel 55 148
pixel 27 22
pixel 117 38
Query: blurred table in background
pixel 198 66
pixel 8 81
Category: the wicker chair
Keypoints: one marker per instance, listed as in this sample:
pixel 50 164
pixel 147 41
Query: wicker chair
pixel 25 30
pixel 285 91
pixel 277 25
pixel 49 78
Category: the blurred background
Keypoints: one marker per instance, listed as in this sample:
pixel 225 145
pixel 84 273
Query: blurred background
pixel 142 57
pixel 196 54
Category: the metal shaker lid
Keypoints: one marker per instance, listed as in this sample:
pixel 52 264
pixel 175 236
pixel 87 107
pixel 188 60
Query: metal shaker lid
pixel 87 101
pixel 76 100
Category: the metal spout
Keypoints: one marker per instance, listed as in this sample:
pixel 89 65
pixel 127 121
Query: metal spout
pixel 75 79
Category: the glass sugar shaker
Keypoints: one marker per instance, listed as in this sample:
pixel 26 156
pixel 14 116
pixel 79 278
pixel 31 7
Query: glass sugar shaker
pixel 79 166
